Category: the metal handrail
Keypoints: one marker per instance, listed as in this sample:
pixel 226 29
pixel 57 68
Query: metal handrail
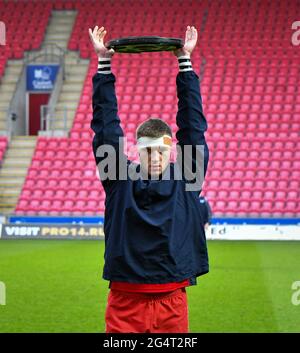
pixel 48 118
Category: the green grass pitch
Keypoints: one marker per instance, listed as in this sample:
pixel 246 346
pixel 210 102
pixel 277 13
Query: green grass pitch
pixel 56 286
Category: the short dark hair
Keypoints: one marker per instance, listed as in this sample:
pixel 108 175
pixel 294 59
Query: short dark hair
pixel 153 127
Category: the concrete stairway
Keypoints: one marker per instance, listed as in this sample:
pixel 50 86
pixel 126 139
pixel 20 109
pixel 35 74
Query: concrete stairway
pixel 14 170
pixel 76 70
pixel 58 32
pixel 59 28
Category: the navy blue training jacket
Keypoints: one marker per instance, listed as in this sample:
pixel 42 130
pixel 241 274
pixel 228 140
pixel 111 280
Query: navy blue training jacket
pixel 153 228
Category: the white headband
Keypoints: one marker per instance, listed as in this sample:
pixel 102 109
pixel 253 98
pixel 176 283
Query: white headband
pixel 163 141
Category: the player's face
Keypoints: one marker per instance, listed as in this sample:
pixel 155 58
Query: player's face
pixel 154 160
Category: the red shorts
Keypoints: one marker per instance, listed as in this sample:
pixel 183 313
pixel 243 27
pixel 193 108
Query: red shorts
pixel 128 312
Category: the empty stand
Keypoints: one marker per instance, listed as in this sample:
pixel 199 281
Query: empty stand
pixel 250 90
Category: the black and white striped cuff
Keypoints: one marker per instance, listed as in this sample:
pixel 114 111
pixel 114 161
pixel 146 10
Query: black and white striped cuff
pixel 104 66
pixel 185 63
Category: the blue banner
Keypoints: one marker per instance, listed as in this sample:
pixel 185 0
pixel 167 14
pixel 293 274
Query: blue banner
pixel 41 77
pixel 100 220
pixel 58 219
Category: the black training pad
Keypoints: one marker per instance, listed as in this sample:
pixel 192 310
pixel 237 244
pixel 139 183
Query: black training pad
pixel 144 44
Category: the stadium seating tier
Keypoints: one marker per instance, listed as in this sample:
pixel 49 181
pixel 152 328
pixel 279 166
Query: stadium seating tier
pixel 249 72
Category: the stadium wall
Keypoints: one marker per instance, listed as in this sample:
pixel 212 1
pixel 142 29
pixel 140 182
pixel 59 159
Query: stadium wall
pixel 92 228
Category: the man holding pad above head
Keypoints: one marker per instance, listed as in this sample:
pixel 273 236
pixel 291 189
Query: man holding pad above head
pixel 155 242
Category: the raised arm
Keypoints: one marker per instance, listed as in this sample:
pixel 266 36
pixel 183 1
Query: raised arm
pixel 105 123
pixel 190 118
